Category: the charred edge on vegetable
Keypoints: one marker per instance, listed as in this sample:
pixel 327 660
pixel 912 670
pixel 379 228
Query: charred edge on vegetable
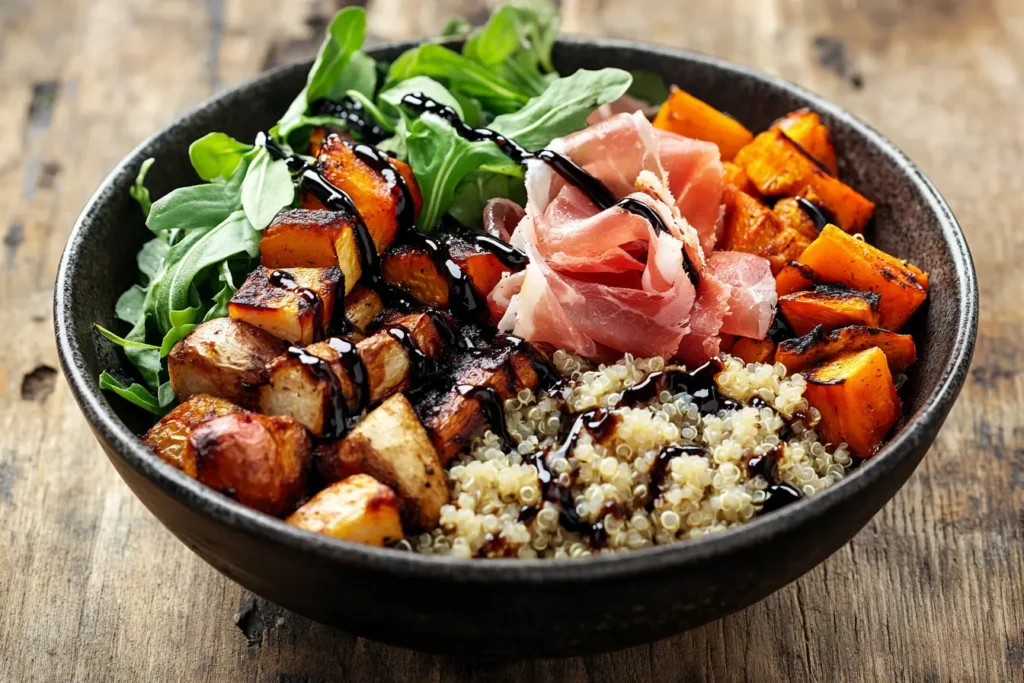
pixel 780 331
pixel 493 408
pixel 818 215
pixel 840 292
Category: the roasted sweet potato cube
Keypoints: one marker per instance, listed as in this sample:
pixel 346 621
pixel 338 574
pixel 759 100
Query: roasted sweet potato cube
pixel 830 307
pixel 753 350
pixel 376 197
pixel 752 227
pixel 169 437
pixel 222 357
pixel 794 277
pixel 779 168
pixel 294 304
pixel 483 268
pixel 817 347
pixel 804 127
pixel 684 114
pixel 839 258
pixel 303 238
pixel 259 460
pixel 412 269
pixel 359 509
pixel 793 214
pixel 392 446
pixel 857 400
pixel 736 178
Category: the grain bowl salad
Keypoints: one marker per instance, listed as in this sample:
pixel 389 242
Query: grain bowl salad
pixel 461 304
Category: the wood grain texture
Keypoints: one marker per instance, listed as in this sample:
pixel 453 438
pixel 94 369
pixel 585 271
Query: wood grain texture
pixel 93 588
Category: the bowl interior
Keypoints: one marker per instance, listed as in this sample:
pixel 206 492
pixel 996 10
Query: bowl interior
pixel 911 221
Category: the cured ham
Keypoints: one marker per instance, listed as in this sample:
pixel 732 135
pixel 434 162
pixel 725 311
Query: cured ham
pixel 601 283
pixel 501 216
pixel 752 297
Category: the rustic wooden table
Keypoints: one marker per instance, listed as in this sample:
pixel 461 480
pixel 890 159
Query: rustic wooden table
pixel 93 588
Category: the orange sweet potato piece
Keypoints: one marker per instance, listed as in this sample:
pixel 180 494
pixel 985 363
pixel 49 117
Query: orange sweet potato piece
pixel 794 215
pixel 303 238
pixel 804 127
pixel 779 168
pixel 857 400
pixel 413 270
pixel 839 258
pixel 754 228
pixel 816 347
pixel 829 307
pixel 684 114
pixel 794 277
pixel 753 350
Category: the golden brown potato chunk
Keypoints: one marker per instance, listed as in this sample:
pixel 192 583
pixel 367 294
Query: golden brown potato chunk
pixel 359 509
pixel 294 304
pixel 303 238
pixel 362 305
pixel 259 460
pixel 223 357
pixel 391 445
pixel 169 437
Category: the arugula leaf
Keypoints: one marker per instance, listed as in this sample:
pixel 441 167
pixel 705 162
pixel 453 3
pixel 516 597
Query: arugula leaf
pixel 134 393
pixel 455 26
pixel 219 309
pixel 563 107
pixel 138 190
pixel 477 188
pixel 463 75
pixel 198 206
pixel 372 109
pixel 145 357
pixel 509 45
pixel 151 256
pixel 345 36
pixel 440 159
pixel 130 306
pixel 649 87
pixel 215 156
pixel 267 189
pixel 391 99
pixel 360 74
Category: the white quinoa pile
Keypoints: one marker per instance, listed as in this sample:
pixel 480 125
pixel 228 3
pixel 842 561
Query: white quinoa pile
pixel 608 481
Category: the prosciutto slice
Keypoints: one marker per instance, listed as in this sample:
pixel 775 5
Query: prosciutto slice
pixel 752 297
pixel 602 283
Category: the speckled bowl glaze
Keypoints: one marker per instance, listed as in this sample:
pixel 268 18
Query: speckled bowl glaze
pixel 512 607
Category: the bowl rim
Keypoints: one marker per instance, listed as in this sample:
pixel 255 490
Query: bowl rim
pixel 216 507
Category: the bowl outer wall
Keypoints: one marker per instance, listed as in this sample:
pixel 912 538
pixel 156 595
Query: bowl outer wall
pixel 551 607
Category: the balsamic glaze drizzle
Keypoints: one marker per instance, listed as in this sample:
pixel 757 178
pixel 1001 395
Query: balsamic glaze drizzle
pixel 405 209
pixel 285 281
pixel 493 408
pixel 351 111
pixel 464 301
pixel 660 470
pixel 819 216
pixel 336 418
pixel 419 362
pixel 352 363
pixel 698 383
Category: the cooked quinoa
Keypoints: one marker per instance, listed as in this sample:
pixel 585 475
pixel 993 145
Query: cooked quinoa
pixel 497 507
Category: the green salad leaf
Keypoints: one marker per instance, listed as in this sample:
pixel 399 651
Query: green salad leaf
pixel 649 87
pixel 138 191
pixel 455 26
pixel 198 206
pixel 267 189
pixel 131 392
pixel 516 44
pixel 215 156
pixel 473 192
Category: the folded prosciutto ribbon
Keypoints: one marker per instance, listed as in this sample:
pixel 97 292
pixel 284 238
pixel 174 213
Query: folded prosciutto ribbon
pixel 604 283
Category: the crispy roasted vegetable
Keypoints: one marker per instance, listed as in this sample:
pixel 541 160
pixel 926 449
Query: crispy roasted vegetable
pixel 374 195
pixel 857 400
pixel 452 418
pixel 294 304
pixel 259 460
pixel 303 238
pixel 817 347
pixel 223 357
pixel 684 114
pixel 169 437
pixel 359 509
pixel 753 350
pixel 754 228
pixel 794 277
pixel 839 258
pixel 362 305
pixel 391 445
pixel 804 127
pixel 293 390
pixel 793 216
pixel 779 168
pixel 830 307
pixel 412 268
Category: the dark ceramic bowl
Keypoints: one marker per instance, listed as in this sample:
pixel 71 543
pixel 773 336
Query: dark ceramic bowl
pixel 512 607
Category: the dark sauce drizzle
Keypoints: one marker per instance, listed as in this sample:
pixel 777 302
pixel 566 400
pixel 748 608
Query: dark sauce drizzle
pixel 351 111
pixel 779 493
pixel 493 408
pixel 285 281
pixel 819 216
pixel 336 418
pixel 352 363
pixel 464 301
pixel 698 383
pixel 594 189
pixel 780 331
pixel 660 470
pixel 419 362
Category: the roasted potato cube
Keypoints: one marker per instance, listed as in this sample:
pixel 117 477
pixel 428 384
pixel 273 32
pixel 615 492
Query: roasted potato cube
pixel 779 168
pixel 839 258
pixel 804 127
pixel 223 357
pixel 362 305
pixel 359 509
pixel 391 445
pixel 684 114
pixel 294 391
pixel 830 307
pixel 857 400
pixel 753 350
pixel 259 460
pixel 303 238
pixel 168 438
pixel 816 347
pixel 294 304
